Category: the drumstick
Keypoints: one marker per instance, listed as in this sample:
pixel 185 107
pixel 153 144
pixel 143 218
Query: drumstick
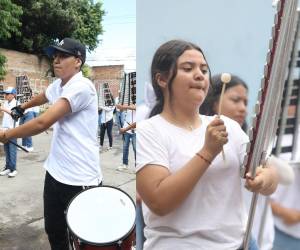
pixel 24 149
pixel 225 78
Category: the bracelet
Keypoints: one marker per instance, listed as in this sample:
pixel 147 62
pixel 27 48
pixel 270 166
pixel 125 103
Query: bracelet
pixel 203 158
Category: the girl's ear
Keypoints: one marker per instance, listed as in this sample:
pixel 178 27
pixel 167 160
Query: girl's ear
pixel 161 81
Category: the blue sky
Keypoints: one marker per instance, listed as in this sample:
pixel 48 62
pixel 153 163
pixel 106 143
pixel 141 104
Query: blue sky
pixel 118 45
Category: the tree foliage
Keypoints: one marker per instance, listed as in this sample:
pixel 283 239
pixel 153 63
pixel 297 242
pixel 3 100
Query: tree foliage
pixel 9 25
pixel 9 19
pixel 2 67
pixel 47 21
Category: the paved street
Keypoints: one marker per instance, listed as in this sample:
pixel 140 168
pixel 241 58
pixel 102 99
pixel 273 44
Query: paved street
pixel 21 206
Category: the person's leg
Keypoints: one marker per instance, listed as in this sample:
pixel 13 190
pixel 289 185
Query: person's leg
pixel 102 133
pixel 133 141
pixel 284 241
pixel 126 148
pixel 7 156
pixel 139 221
pixel 21 122
pixel 12 155
pixel 253 244
pixel 54 216
pixel 28 140
pixel 109 132
pixel 57 196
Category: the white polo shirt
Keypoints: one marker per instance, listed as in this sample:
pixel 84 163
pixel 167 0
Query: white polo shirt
pixel 74 154
pixel 7 121
pixel 129 119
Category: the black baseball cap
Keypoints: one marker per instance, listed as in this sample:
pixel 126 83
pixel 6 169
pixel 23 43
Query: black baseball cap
pixel 68 46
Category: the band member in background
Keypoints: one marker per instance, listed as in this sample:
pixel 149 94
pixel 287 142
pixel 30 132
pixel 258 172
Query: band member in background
pixel 73 161
pixel 27 141
pixel 128 130
pixel 10 149
pixel 186 187
pixel 107 122
pixel 234 106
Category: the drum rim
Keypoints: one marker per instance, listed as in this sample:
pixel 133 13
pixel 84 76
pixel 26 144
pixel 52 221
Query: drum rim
pixel 106 243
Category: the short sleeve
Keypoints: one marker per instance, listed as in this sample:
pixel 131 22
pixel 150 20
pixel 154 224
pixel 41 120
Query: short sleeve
pixel 79 96
pixel 152 146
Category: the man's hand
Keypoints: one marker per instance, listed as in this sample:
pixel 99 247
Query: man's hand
pixel 17 112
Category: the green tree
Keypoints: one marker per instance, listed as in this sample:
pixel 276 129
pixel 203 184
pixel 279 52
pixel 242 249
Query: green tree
pixel 9 19
pixel 47 21
pixel 86 71
pixel 9 25
pixel 2 67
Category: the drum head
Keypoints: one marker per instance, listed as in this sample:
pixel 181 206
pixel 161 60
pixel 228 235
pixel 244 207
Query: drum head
pixel 101 215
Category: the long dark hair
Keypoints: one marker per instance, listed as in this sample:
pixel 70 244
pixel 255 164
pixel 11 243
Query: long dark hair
pixel 214 92
pixel 165 63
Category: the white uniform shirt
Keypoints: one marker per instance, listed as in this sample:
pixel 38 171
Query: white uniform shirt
pixel 213 215
pixel 107 113
pixel 289 196
pixel 74 154
pixel 129 119
pixel 7 121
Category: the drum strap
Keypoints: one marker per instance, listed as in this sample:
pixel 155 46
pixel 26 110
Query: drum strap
pixel 87 187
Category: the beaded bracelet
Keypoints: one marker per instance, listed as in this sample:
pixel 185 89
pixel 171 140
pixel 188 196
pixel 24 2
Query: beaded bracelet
pixel 203 158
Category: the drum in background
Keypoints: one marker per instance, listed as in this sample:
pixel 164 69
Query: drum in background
pixel 102 218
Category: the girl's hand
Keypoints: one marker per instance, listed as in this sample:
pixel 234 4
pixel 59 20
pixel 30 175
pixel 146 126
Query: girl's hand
pixel 215 137
pixel 265 182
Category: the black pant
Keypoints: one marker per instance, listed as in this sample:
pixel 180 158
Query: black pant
pixel 106 126
pixel 57 196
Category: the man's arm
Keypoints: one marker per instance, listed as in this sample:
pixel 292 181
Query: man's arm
pixel 35 126
pixel 131 126
pixel 8 111
pixel 125 107
pixel 35 101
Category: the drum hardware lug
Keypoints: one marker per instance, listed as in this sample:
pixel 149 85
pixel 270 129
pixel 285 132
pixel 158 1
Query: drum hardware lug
pixel 119 243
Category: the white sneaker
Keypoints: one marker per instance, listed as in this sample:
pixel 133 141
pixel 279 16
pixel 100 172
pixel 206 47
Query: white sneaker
pixel 13 173
pixel 29 149
pixel 122 167
pixel 5 172
pixel 109 148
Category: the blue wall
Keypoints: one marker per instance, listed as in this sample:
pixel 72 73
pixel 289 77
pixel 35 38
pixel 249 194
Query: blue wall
pixel 234 35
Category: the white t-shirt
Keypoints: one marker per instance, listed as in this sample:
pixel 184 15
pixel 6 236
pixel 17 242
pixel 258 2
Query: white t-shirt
pixel 268 233
pixel 213 215
pixel 289 196
pixel 129 119
pixel 74 154
pixel 7 121
pixel 107 113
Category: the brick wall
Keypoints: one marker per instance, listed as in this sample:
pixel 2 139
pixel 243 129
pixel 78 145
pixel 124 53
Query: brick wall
pixel 112 74
pixel 19 63
pixel 36 69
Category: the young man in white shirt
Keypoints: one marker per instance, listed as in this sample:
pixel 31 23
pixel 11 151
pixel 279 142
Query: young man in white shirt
pixel 73 162
pixel 10 149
